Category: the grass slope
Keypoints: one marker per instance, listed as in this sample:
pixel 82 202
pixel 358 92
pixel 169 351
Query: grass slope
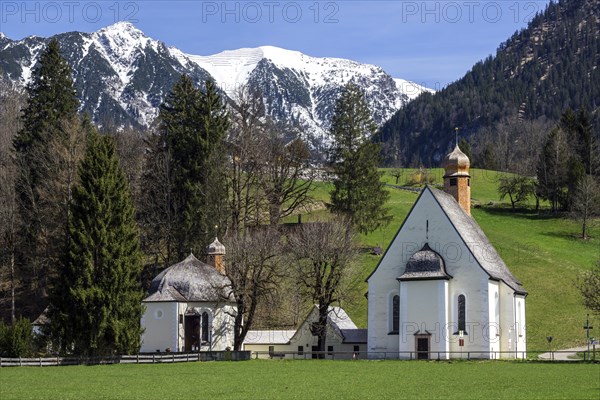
pixel 310 379
pixel 543 251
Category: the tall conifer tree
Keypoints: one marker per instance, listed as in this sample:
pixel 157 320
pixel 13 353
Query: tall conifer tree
pixel 51 104
pixel 193 128
pixel 358 192
pixel 96 302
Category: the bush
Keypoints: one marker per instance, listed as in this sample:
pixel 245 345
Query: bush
pixel 16 340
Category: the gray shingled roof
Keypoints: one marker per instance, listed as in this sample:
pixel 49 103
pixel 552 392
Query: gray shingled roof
pixel 425 264
pixel 355 335
pixel 189 280
pixel 341 322
pixel 476 240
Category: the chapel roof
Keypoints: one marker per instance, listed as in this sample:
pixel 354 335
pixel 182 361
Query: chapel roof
pixel 189 280
pixel 216 247
pixel 425 264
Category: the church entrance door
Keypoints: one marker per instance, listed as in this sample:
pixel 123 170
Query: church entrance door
pixel 422 347
pixel 192 333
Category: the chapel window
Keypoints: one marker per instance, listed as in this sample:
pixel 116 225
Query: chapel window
pixel 395 314
pixel 206 328
pixel 462 317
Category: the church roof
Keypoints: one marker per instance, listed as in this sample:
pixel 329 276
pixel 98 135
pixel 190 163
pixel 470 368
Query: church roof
pixel 216 247
pixel 425 264
pixel 473 237
pixel 189 280
pixel 475 240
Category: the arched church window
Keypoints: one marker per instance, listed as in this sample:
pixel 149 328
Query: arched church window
pixel 462 315
pixel 206 327
pixel 396 314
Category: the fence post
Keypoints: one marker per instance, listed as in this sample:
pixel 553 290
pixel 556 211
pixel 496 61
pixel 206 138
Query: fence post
pixel 173 357
pixel 40 361
pixel 20 364
pixel 153 358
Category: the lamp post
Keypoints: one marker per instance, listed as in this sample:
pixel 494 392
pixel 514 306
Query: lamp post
pixel 549 339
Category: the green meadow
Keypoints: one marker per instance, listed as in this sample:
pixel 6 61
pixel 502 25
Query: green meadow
pixel 543 250
pixel 310 379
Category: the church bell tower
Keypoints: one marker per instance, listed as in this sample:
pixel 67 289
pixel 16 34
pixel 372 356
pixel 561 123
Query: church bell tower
pixel 457 180
pixel 215 252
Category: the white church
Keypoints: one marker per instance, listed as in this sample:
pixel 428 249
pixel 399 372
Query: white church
pixel 440 291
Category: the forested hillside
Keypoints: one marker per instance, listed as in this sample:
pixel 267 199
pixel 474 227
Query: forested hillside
pixel 536 75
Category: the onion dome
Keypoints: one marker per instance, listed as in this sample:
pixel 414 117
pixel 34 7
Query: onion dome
pixel 456 159
pixel 189 280
pixel 425 264
pixel 215 248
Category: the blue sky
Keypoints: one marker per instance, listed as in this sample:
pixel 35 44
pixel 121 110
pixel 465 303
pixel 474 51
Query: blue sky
pixel 429 42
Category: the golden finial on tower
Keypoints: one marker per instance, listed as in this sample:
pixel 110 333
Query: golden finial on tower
pixel 456 135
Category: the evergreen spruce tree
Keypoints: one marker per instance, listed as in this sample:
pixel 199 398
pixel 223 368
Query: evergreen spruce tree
pixel 358 191
pixel 194 124
pixel 96 301
pixel 51 104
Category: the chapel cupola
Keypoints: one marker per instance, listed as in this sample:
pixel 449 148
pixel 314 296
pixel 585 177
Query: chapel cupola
pixel 457 181
pixel 215 252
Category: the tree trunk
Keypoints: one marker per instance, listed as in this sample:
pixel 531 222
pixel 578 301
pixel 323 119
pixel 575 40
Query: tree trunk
pixel 12 287
pixel 322 330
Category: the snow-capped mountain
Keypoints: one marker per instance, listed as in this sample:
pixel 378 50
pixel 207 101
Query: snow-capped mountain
pixel 122 76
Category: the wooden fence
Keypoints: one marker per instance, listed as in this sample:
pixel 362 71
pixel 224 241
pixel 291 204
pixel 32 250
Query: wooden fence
pixel 125 359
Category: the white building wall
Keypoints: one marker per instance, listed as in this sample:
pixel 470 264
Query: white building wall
pixel 521 328
pixel 160 327
pixel 494 329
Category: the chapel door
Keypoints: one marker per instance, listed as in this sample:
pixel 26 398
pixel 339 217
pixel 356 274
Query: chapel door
pixel 192 333
pixel 422 347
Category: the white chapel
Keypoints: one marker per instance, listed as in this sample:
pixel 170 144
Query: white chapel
pixel 441 290
pixel 189 306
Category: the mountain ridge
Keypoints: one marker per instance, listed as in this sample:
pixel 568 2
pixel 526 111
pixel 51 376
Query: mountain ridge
pixel 536 74
pixel 122 75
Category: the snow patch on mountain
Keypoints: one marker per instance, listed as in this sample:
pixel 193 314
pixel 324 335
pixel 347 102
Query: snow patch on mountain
pixel 411 89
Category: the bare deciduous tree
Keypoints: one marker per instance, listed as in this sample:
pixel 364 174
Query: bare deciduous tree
pixel 246 143
pixel 324 255
pixel 158 204
pixel 286 178
pixel 586 202
pixel 253 265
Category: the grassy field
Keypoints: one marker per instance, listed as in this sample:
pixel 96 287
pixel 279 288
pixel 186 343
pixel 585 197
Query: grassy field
pixel 310 379
pixel 542 250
